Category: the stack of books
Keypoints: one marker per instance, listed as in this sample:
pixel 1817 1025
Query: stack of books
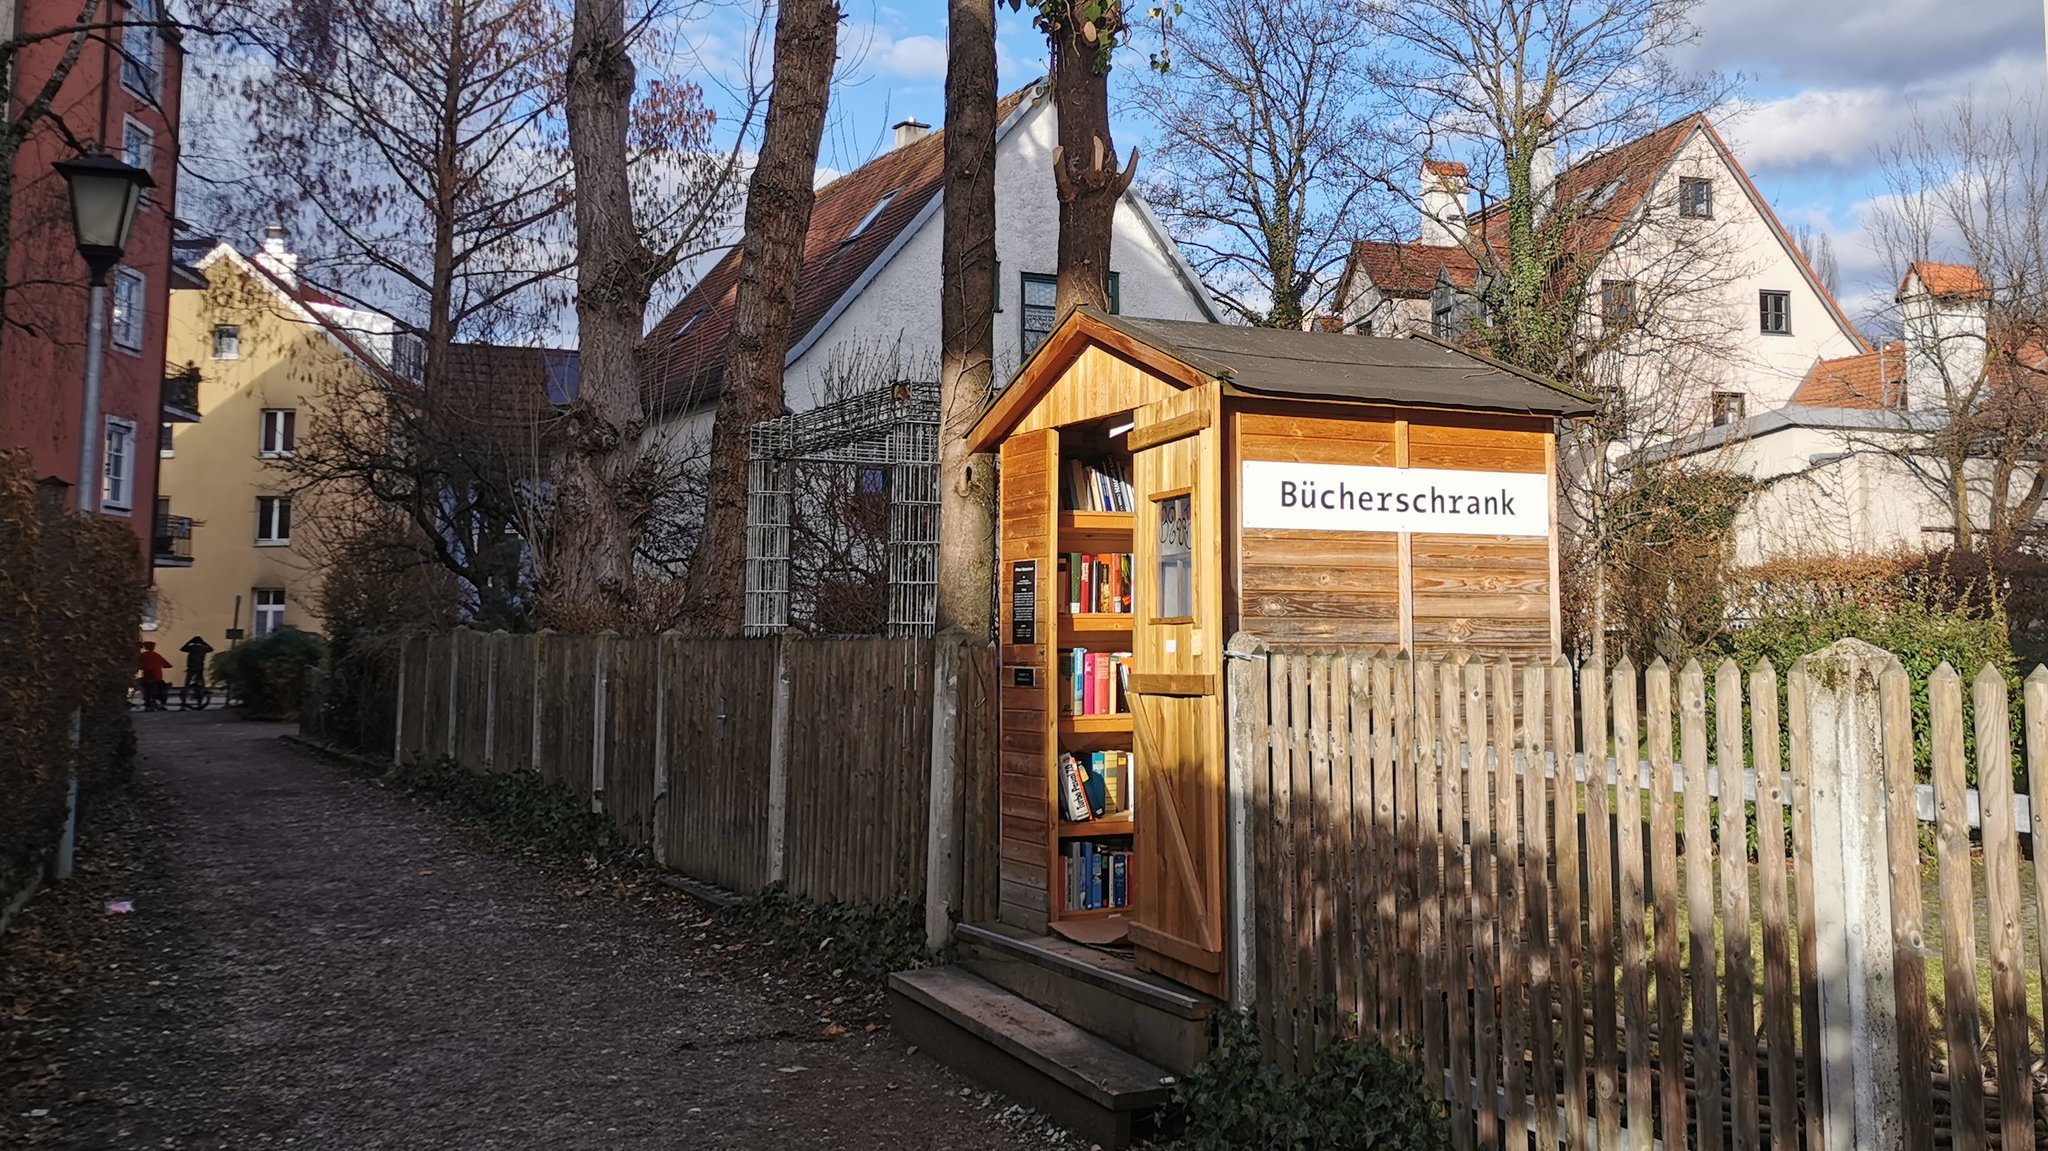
pixel 1097 583
pixel 1095 876
pixel 1097 682
pixel 1095 785
pixel 1096 486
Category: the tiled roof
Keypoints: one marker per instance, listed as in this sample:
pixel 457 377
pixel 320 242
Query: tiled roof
pixel 1946 281
pixel 314 303
pixel 1408 271
pixel 506 392
pixel 1443 168
pixel 1614 183
pixel 682 360
pixel 1872 380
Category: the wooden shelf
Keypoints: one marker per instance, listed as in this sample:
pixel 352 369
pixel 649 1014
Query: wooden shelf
pixel 1096 621
pixel 1072 521
pixel 1097 828
pixel 1095 724
pixel 1091 913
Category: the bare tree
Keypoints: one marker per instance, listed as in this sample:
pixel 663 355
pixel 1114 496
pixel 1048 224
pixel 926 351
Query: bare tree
pixel 967 287
pixel 606 485
pixel 779 199
pixel 1819 252
pixel 1966 228
pixel 1264 172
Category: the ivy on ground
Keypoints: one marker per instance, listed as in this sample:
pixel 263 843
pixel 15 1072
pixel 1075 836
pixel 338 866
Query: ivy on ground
pixel 865 940
pixel 521 809
pixel 1355 1094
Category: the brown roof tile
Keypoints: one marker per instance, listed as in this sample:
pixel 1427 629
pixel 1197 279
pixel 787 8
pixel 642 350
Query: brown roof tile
pixel 1409 270
pixel 1946 281
pixel 1871 380
pixel 682 359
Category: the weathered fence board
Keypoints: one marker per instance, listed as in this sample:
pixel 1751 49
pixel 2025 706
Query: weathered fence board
pixel 1585 903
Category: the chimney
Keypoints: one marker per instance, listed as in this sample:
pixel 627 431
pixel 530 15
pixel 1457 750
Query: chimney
pixel 1443 202
pixel 281 260
pixel 1944 309
pixel 1543 167
pixel 910 131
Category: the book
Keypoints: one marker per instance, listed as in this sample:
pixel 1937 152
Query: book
pixel 1097 781
pixel 1075 806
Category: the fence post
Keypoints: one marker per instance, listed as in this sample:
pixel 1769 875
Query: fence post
pixel 540 679
pixel 1244 703
pixel 1859 1088
pixel 491 645
pixel 454 661
pixel 600 676
pixel 398 716
pixel 942 825
pixel 659 808
pixel 778 763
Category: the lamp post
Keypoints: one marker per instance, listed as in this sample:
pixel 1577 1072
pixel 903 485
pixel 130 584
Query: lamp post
pixel 103 195
pixel 104 192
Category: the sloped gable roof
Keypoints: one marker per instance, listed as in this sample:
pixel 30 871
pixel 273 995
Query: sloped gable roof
pixel 1872 380
pixel 1615 182
pixel 305 302
pixel 682 359
pixel 1408 271
pixel 1945 281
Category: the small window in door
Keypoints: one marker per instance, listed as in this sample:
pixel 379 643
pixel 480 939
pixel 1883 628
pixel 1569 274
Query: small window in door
pixel 1176 558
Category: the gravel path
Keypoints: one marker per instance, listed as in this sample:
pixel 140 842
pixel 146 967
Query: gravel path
pixel 314 962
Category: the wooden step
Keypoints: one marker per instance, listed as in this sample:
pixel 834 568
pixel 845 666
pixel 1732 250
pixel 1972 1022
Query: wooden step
pixel 1098 991
pixel 1101 1092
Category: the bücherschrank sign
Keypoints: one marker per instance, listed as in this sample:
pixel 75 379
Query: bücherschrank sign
pixel 1350 498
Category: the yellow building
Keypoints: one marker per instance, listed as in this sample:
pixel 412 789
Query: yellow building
pixel 269 349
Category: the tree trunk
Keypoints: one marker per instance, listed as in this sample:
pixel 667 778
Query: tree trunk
pixel 1084 165
pixel 967 331
pixel 602 490
pixel 779 198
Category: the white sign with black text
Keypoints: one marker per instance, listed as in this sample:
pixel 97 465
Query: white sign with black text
pixel 1349 498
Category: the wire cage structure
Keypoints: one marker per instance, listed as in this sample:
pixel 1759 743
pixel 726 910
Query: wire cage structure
pixel 883 444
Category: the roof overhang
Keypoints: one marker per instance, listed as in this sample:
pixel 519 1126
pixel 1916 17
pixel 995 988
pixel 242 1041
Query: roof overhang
pixel 1074 334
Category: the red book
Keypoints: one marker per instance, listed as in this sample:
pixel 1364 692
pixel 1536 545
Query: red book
pixel 1099 678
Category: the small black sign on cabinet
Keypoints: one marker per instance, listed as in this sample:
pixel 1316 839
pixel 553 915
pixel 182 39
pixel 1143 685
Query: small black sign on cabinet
pixel 1024 677
pixel 1024 601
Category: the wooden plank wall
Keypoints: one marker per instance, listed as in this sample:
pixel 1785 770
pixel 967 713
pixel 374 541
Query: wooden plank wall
pixel 1572 957
pixel 859 767
pixel 1029 527
pixel 686 747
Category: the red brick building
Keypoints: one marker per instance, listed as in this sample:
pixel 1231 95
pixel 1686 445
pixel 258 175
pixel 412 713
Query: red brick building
pixel 121 94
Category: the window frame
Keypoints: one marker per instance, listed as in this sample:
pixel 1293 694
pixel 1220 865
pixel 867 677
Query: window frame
pixel 1025 307
pixel 1764 298
pixel 130 126
pixel 166 442
pixel 1628 314
pixel 141 72
pixel 271 513
pixel 237 330
pixel 258 610
pixel 1729 409
pixel 129 318
pixel 287 426
pixel 1687 184
pixel 125 503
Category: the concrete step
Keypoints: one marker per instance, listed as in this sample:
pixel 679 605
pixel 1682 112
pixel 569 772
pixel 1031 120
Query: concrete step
pixel 1093 1087
pixel 1098 991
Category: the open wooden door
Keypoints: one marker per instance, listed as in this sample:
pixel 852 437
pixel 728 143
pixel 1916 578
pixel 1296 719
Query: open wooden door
pixel 1176 688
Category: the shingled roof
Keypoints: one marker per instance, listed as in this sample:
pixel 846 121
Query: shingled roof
pixel 856 219
pixel 1873 380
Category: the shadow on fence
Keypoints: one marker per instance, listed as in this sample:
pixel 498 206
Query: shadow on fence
pixel 1601 949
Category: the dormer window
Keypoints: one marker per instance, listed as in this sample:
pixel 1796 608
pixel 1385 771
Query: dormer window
pixel 881 205
pixel 687 324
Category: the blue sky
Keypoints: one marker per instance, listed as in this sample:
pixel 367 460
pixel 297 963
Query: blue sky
pixel 1826 82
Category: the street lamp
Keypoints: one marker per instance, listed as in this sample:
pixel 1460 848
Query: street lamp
pixel 104 192
pixel 103 195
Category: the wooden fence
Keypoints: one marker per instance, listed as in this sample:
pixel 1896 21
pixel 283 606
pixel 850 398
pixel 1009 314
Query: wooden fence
pixel 741 762
pixel 1597 950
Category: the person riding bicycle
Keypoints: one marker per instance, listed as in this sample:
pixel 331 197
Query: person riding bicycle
pixel 195 650
pixel 151 666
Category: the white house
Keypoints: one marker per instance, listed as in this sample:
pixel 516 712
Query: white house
pixel 1843 467
pixel 1651 213
pixel 867 307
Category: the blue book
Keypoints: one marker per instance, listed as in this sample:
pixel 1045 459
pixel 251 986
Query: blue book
pixel 1119 879
pixel 1098 772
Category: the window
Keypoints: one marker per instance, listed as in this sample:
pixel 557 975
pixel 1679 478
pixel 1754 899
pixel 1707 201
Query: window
pixel 1175 558
pixel 881 206
pixel 138 149
pixel 227 342
pixel 164 447
pixel 269 613
pixel 125 330
pixel 280 433
pixel 138 49
pixel 117 483
pixel 408 357
pixel 1116 303
pixel 1618 302
pixel 1729 408
pixel 1695 197
pixel 1774 312
pixel 1038 315
pixel 273 519
pixel 150 608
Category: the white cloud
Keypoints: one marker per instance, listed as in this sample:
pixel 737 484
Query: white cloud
pixel 868 48
pixel 1851 42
